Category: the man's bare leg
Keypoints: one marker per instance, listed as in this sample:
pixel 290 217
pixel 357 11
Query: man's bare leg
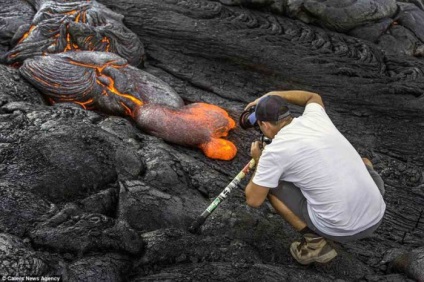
pixel 286 213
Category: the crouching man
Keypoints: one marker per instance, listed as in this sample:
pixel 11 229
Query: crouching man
pixel 312 176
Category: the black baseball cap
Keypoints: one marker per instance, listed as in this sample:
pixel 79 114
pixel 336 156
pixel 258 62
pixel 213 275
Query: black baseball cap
pixel 270 108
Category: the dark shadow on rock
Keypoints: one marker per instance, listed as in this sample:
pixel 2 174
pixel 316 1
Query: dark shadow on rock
pixel 20 210
pixel 80 233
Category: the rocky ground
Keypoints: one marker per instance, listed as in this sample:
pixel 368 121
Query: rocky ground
pixel 90 197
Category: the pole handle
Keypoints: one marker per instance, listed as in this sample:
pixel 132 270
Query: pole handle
pixel 195 226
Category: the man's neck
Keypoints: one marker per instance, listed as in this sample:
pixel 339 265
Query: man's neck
pixel 286 122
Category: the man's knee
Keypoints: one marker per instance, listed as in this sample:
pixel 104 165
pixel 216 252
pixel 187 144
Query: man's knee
pixel 291 216
pixel 290 196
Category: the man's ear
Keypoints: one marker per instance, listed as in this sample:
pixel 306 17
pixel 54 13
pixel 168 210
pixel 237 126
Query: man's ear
pixel 266 124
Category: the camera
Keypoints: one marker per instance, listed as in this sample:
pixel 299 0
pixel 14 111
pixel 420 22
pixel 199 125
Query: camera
pixel 248 119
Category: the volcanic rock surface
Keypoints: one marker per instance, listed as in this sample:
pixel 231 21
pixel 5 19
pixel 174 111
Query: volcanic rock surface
pixel 91 197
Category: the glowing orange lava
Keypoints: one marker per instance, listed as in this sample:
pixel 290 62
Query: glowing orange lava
pixel 220 149
pixel 219 124
pixel 26 34
pixel 84 104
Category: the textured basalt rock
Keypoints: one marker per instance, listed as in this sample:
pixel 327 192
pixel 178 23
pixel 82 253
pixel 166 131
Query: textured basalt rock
pixel 82 232
pixel 410 263
pixel 104 202
pixel 146 208
pixel 412 17
pixel 106 267
pixel 399 40
pixel 219 271
pixel 172 191
pixel 363 19
pixel 14 89
pixel 346 14
pixel 13 15
pixel 70 146
pixel 372 31
pixel 17 258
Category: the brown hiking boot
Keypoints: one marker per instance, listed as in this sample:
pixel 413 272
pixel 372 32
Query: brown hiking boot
pixel 312 248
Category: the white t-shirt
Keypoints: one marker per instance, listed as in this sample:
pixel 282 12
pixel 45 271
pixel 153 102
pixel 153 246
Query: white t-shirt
pixel 310 152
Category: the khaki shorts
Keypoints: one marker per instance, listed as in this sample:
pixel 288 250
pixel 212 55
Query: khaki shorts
pixel 293 198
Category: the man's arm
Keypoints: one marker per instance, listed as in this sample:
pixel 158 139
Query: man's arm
pixel 255 194
pixel 296 97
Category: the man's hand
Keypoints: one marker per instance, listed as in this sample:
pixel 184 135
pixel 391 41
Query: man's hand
pixel 256 151
pixel 254 103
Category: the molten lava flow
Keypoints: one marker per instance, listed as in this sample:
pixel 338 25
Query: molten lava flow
pixel 105 82
pixel 200 125
pixel 219 149
pixel 110 86
pixel 201 113
pixel 75 16
pixel 216 147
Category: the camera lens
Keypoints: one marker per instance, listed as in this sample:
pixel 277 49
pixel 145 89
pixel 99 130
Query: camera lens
pixel 248 118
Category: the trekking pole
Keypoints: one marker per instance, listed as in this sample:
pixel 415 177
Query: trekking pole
pixel 194 228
